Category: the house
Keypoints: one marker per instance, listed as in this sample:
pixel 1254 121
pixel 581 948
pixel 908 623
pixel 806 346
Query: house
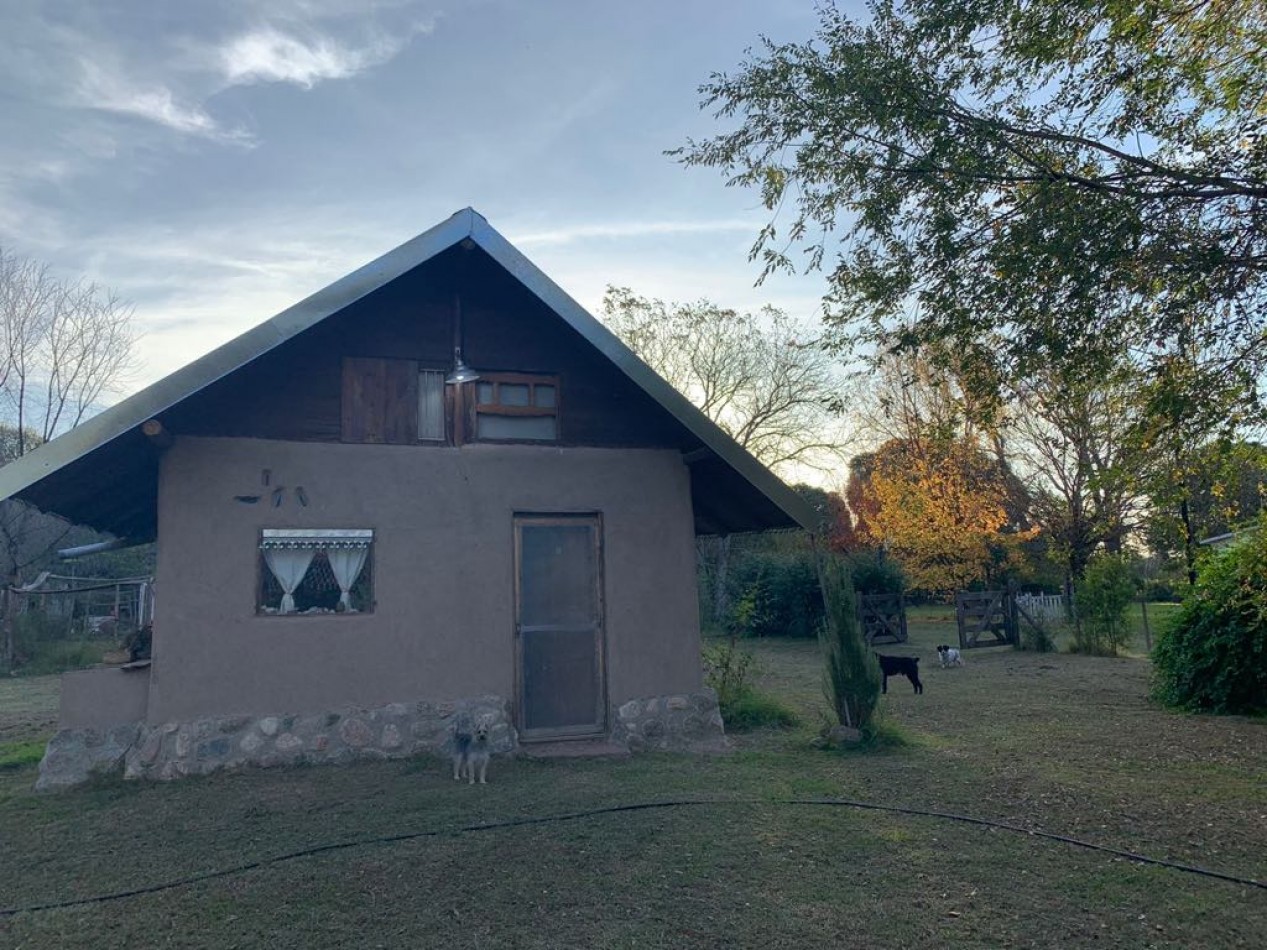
pixel 437 488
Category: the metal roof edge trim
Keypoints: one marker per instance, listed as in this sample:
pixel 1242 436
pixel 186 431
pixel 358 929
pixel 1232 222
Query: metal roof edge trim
pixel 161 395
pixel 681 408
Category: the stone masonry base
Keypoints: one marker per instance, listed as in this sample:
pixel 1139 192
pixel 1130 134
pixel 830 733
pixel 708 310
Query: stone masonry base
pixel 687 722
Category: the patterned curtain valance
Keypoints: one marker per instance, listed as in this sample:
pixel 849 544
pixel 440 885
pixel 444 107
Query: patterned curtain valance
pixel 328 538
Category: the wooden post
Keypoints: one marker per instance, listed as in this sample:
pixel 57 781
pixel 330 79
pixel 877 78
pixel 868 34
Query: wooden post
pixel 1013 620
pixel 721 567
pixel 8 613
pixel 963 641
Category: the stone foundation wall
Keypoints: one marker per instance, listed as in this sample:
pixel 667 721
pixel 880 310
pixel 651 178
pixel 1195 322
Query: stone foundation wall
pixel 686 722
pixel 174 750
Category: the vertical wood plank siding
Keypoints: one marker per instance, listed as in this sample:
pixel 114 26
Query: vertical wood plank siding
pixel 354 377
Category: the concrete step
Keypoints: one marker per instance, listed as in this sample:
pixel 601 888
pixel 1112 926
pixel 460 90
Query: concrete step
pixel 574 749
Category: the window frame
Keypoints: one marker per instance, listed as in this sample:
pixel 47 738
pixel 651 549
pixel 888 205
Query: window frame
pixel 314 536
pixel 476 408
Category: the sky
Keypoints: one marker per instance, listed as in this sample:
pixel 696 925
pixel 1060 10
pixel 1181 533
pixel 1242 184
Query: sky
pixel 215 162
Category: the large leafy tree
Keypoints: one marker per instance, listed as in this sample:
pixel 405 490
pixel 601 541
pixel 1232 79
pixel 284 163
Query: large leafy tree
pixel 1032 180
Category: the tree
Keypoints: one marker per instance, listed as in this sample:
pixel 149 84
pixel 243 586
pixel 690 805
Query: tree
pixel 1104 594
pixel 851 677
pixel 939 493
pixel 1034 181
pixel 1072 434
pixel 64 346
pixel 942 512
pixel 1225 486
pixel 756 375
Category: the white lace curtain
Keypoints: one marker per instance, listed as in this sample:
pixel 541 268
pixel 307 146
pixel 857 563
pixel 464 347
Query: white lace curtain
pixel 346 563
pixel 289 565
pixel 289 554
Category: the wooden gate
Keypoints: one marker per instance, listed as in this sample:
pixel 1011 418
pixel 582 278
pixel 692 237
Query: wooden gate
pixel 986 618
pixel 882 618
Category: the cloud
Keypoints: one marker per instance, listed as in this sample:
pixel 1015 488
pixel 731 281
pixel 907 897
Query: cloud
pixel 268 54
pixel 108 91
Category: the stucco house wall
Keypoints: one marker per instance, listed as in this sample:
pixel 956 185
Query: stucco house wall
pixel 443 572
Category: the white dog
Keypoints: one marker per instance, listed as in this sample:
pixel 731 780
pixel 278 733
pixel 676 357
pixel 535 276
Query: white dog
pixel 471 749
pixel 949 656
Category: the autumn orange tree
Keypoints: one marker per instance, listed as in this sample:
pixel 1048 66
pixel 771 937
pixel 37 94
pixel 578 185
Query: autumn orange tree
pixel 944 512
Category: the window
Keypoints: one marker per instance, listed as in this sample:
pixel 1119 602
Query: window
pixel 315 571
pixel 516 407
pixel 431 405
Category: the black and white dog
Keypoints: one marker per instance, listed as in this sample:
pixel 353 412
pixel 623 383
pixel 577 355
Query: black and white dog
pixel 949 656
pixel 907 666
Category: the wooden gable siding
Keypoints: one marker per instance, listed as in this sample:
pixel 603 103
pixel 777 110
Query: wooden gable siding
pixel 372 350
pixel 380 400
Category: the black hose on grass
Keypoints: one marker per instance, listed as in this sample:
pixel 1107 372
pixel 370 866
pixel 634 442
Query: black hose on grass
pixel 612 810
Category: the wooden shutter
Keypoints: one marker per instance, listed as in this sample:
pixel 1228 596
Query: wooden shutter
pixel 380 400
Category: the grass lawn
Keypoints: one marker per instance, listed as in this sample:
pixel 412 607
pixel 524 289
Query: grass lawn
pixel 1066 744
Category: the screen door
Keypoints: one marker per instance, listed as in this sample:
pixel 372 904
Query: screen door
pixel 559 625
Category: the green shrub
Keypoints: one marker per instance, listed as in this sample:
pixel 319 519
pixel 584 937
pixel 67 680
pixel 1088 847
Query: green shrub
pixel 1038 639
pixel 873 573
pixel 48 658
pixel 727 670
pixel 776 595
pixel 753 709
pixel 1103 595
pixel 46 644
pixel 1162 591
pixel 1213 657
pixel 851 679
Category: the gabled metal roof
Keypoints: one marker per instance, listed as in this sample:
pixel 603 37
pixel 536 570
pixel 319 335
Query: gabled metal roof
pixel 124 419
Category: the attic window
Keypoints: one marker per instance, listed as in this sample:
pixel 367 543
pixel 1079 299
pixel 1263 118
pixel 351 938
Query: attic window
pixel 516 407
pixel 315 571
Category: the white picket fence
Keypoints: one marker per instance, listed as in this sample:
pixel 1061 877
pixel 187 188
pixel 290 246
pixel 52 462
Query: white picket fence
pixel 1048 607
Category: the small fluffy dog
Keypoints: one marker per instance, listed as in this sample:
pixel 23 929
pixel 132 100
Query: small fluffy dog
pixel 949 656
pixel 470 750
pixel 907 666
